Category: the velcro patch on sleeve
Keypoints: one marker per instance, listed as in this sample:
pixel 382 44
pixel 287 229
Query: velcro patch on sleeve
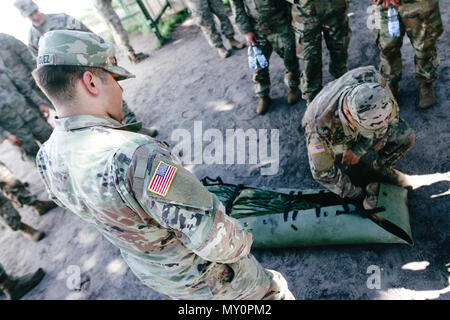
pixel 318 148
pixel 162 179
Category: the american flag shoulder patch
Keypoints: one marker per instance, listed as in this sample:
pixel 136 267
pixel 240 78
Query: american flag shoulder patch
pixel 162 179
pixel 318 148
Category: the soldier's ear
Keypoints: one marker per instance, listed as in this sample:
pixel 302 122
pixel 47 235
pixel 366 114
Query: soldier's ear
pixel 90 83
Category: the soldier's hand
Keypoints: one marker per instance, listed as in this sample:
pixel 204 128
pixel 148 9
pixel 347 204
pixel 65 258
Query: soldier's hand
pixel 250 37
pixel 45 110
pixel 386 2
pixel 14 140
pixel 349 158
pixel 359 199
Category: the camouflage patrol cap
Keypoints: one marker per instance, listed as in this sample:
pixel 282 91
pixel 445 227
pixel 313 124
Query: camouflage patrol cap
pixel 26 7
pixel 78 48
pixel 370 104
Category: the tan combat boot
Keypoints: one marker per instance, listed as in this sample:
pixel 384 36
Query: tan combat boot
pixel 42 207
pixel 263 105
pixel 31 233
pixel 137 57
pixel 16 288
pixel 223 53
pixel 391 175
pixel 427 96
pixel 235 44
pixel 293 95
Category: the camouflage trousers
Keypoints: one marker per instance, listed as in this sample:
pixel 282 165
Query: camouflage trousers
pixel 310 21
pixel 282 41
pixel 245 279
pixel 27 124
pixel 328 171
pixel 204 11
pixel 421 21
pixel 9 216
pixel 112 20
pixel 13 188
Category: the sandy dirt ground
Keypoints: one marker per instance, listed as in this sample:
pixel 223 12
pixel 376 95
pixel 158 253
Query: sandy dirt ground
pixel 184 84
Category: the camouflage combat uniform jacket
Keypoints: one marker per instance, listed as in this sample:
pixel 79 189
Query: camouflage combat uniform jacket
pixel 182 245
pixel 16 56
pixel 328 132
pixel 58 21
pixel 15 96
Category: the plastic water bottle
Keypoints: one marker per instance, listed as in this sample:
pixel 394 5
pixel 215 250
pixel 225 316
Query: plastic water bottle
pixel 256 58
pixel 393 23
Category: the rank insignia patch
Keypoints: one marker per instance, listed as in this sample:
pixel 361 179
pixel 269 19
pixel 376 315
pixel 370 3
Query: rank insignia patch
pixel 162 179
pixel 318 148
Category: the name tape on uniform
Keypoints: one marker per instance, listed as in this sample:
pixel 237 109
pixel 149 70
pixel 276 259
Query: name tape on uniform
pixel 162 179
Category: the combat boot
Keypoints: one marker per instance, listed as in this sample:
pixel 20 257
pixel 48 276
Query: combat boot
pixel 235 44
pixel 223 53
pixel 31 233
pixel 263 105
pixel 391 175
pixel 293 95
pixel 42 207
pixel 427 96
pixel 16 288
pixel 136 58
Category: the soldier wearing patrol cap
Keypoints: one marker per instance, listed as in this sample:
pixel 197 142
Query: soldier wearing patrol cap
pixel 171 231
pixel 350 116
pixel 42 23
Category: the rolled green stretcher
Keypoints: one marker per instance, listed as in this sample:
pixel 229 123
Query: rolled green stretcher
pixel 294 218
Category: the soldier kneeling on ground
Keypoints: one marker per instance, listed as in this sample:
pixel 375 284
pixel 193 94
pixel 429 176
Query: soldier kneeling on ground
pixel 350 116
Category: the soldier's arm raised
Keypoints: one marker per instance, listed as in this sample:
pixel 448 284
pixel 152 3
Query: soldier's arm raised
pixel 176 199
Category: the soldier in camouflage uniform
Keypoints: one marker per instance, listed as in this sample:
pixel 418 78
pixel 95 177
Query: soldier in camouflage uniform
pixel 106 12
pixel 204 12
pixel 311 19
pixel 171 231
pixel 19 120
pixel 16 288
pixel 42 23
pixel 267 24
pixel 350 116
pixel 16 56
pixel 421 21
